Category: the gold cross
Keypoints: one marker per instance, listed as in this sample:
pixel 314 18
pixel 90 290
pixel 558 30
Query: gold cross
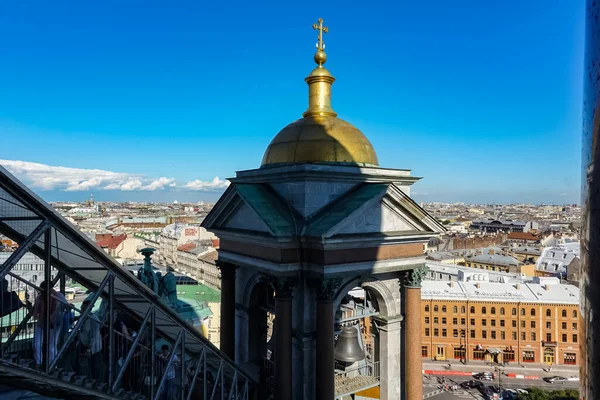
pixel 319 27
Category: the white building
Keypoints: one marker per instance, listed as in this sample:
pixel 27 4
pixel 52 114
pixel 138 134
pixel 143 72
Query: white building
pixel 555 259
pixel 173 236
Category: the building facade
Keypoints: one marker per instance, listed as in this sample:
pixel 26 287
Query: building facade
pixel 476 320
pixel 496 225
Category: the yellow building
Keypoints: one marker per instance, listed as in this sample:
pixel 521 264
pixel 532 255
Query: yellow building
pixel 477 320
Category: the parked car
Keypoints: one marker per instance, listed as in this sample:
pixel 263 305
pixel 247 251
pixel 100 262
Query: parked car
pixel 471 384
pixel 555 379
pixel 485 376
pixel 522 391
pixel 510 394
pixel 488 393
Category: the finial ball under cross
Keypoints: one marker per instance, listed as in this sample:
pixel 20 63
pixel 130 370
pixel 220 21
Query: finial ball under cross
pixel 322 29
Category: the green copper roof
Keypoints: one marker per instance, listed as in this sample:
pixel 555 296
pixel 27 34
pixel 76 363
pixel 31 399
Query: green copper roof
pixel 337 211
pixel 198 292
pixel 269 207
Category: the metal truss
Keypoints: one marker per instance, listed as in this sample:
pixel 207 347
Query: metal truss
pixel 128 365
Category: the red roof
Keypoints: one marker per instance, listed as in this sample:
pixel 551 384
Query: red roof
pixel 523 236
pixel 187 246
pixel 112 242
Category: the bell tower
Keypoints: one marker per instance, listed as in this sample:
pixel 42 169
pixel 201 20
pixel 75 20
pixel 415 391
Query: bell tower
pixel 320 251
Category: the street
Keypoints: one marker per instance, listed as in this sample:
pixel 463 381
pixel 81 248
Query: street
pixel 431 386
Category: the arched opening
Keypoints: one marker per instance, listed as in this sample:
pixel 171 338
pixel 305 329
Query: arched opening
pixel 260 323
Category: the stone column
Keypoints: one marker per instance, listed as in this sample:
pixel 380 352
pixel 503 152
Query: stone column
pixel 283 340
pixel 325 386
pixel 390 348
pixel 227 309
pixel 412 327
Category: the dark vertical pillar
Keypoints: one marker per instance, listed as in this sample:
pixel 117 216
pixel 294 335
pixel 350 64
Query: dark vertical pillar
pixel 283 341
pixel 228 309
pixel 412 324
pixel 590 239
pixel 325 387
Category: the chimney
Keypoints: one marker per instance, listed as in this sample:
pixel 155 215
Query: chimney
pixel 518 286
pixel 547 287
pixel 491 251
pixel 478 285
pixel 451 283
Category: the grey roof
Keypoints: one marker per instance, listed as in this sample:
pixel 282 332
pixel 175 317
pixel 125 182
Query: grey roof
pixel 494 259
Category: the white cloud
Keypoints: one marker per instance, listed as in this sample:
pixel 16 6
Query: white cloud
pixel 49 177
pixel 216 183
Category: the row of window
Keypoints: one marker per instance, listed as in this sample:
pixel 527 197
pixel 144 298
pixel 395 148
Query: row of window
pixel 508 355
pixel 493 311
pixel 502 336
pixel 532 324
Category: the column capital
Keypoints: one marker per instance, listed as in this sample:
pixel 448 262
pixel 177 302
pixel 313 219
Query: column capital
pixel 327 288
pixel 414 277
pixel 227 269
pixel 284 287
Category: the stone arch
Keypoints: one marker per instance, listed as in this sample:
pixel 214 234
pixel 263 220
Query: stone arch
pixel 249 287
pixel 388 302
pixel 255 299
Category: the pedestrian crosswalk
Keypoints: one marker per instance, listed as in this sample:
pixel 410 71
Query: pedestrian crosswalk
pixel 460 393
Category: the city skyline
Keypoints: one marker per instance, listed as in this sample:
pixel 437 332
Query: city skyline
pixel 154 106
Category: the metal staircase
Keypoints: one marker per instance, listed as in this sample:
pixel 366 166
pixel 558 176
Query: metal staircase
pixel 129 366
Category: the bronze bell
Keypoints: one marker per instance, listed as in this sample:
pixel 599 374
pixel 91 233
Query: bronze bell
pixel 347 348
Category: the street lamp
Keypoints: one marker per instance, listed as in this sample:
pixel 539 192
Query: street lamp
pixel 500 371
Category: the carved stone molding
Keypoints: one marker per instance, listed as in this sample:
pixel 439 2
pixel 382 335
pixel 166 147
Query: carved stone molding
pixel 415 277
pixel 328 288
pixel 284 287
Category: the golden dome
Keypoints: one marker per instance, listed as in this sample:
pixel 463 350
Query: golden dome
pixel 320 137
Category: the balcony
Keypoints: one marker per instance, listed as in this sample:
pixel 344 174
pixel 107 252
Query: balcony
pixel 356 379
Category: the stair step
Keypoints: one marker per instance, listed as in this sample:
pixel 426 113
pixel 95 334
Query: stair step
pixel 79 379
pixel 90 383
pixel 67 376
pixel 56 373
pixel 102 386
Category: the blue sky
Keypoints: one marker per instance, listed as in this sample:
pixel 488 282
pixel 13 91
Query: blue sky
pixel 482 99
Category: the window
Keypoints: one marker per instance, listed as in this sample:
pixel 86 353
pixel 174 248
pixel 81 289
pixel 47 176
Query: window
pixel 478 354
pixel 533 312
pixel 463 321
pixel 574 326
pixel 528 356
pixel 444 332
pixel 455 333
pixel 548 325
pixel 570 359
pixel 472 310
pixel 523 337
pixel 459 353
pixel 454 309
pixel 574 313
pixel 473 321
pixel 564 325
pixel 484 334
pixel 427 320
pixel 472 334
pixel 502 335
pixel 501 322
pixel 548 337
pixel 426 308
pixel 463 309
pixel 493 310
pixel 514 323
pixel 493 322
pixel 532 324
pixel 493 334
pixel 443 309
pixel 501 310
pixel 514 336
pixel 574 338
pixel 522 324
pixel 483 310
pixel 509 355
pixel 436 332
pixel 514 311
pixel 455 321
pixel 564 313
pixel 444 321
pixel 533 338
pixel 436 320
pixel 426 331
pixel 522 311
pixel 564 338
pixel 435 308
pixel 423 351
pixel 548 313
pixel 483 322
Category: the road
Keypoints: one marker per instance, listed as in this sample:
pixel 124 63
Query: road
pixel 431 386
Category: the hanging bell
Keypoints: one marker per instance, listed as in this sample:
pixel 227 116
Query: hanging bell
pixel 347 348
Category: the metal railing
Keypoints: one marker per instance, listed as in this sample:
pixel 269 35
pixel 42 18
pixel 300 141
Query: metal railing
pixel 355 379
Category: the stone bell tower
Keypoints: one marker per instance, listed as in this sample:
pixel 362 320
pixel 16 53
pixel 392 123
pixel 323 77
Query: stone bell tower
pixel 317 219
